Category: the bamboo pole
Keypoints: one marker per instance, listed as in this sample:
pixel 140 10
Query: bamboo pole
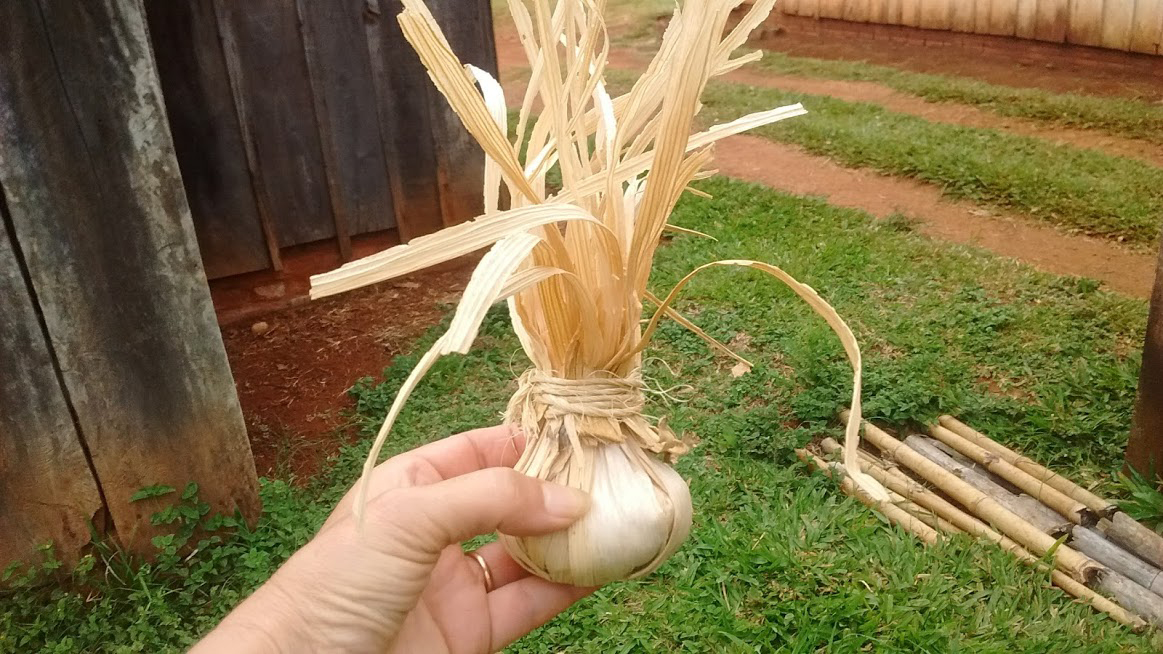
pixel 1044 518
pixel 1100 506
pixel 895 514
pixel 1072 509
pixel 1091 543
pixel 1123 529
pixel 898 482
pixel 1076 565
pixel 1132 596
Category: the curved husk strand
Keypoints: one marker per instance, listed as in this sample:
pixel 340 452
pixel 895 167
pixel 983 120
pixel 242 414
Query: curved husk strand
pixel 573 266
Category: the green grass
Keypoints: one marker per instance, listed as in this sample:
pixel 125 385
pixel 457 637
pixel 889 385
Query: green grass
pixel 778 559
pixel 1081 190
pixel 1122 116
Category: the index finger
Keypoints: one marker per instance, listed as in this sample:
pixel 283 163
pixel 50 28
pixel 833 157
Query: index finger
pixel 489 447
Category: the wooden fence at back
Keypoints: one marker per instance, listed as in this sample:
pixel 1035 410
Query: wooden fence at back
pixel 298 121
pixel 1131 25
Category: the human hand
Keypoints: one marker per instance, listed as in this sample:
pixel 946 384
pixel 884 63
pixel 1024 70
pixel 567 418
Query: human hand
pixel 402 583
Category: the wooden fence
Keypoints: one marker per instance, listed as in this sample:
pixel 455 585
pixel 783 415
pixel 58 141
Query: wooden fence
pixel 303 120
pixel 1131 25
pixel 113 376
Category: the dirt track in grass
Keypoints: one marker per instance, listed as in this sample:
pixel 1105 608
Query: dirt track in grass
pixel 789 169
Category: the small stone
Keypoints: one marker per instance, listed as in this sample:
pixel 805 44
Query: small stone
pixel 408 285
pixel 271 291
pixel 259 328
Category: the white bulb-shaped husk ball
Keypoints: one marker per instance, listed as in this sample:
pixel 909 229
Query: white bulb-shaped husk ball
pixel 640 513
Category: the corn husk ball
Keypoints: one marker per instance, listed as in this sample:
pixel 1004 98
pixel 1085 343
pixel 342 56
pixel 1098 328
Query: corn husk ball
pixel 573 265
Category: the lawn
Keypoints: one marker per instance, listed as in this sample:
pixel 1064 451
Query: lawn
pixel 778 558
pixel 1121 116
pixel 1080 190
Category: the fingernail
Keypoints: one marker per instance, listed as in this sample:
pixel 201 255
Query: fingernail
pixel 563 501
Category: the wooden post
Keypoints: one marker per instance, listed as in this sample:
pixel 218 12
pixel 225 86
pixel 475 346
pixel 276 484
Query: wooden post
pixel 98 214
pixel 47 491
pixel 1145 447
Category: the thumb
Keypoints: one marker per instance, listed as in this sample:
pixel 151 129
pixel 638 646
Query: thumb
pixel 481 502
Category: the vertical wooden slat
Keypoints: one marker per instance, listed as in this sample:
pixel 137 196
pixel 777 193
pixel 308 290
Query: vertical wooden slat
pixel 1003 17
pixel 343 74
pixel 858 11
pixel 789 7
pixel 935 14
pixel 1145 447
pixel 1147 29
pixel 229 42
pixel 98 210
pixel 962 16
pixel 47 491
pixel 832 9
pixel 981 9
pixel 1027 19
pixel 1085 22
pixel 273 77
pixel 404 121
pixel 205 127
pixel 1053 18
pixel 911 12
pixel 1118 17
pixel 809 8
pixel 892 12
pixel 460 160
pixel 322 118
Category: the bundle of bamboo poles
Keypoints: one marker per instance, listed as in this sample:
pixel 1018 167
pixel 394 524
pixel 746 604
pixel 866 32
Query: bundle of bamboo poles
pixel 958 480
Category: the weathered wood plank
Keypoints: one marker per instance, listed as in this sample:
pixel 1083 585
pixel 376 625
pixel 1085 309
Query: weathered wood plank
pixel 1118 18
pixel 1053 19
pixel 1027 19
pixel 1041 517
pixel 981 9
pixel 911 12
pixel 275 82
pixel 832 9
pixel 229 41
pixel 99 212
pixel 322 119
pixel 1085 26
pixel 1003 17
pixel 1143 541
pixel 789 7
pixel 1132 596
pixel 460 160
pixel 343 79
pixel 404 122
pixel 1092 543
pixel 962 17
pixel 935 14
pixel 858 11
pixel 207 138
pixel 1145 446
pixel 1147 31
pixel 47 492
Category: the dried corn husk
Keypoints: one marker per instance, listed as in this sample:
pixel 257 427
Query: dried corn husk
pixel 573 266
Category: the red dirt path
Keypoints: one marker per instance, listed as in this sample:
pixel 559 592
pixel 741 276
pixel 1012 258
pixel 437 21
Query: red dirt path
pixel 293 372
pixel 293 377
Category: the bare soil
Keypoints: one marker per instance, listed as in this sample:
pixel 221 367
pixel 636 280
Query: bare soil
pixel 293 366
pixel 954 114
pixel 294 360
pixel 994 59
pixel 789 169
pixel 792 170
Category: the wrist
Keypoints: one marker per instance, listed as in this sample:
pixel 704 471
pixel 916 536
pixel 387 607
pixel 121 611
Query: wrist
pixel 265 623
